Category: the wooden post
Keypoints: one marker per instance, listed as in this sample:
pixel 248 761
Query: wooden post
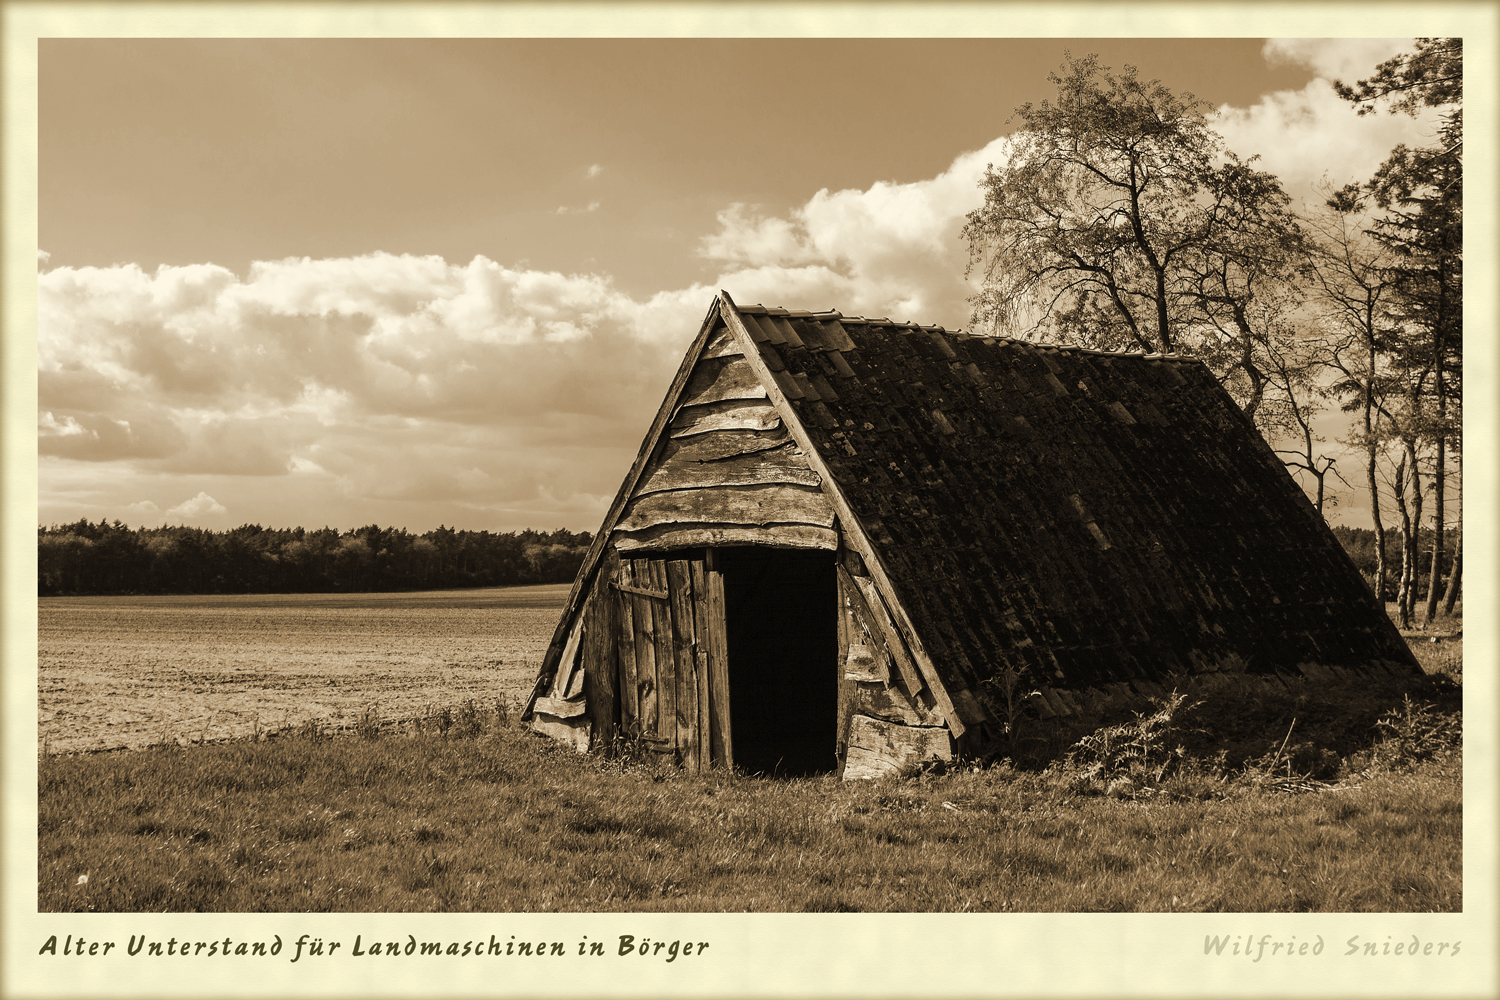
pixel 599 663
pixel 666 665
pixel 701 627
pixel 645 644
pixel 720 735
pixel 680 586
pixel 630 696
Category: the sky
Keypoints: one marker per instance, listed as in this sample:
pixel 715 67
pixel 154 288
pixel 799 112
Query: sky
pixel 420 282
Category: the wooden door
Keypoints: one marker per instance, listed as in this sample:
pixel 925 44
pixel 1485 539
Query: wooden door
pixel 669 618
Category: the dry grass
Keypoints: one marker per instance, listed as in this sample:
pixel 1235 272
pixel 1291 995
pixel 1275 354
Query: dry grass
pixel 469 812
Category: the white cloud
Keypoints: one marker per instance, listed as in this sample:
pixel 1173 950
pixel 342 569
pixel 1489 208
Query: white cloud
pixel 594 170
pixel 50 426
pixel 146 507
pixel 1304 134
pixel 592 206
pixel 1346 59
pixel 380 376
pixel 199 506
pixel 893 249
pixel 42 257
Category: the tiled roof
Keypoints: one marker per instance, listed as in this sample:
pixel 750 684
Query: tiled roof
pixel 1087 517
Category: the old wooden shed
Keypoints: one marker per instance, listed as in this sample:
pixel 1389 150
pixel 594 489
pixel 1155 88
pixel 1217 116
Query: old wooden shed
pixel 840 533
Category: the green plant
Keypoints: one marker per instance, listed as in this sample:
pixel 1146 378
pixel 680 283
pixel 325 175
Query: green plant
pixel 1415 732
pixel 1138 750
pixel 1012 703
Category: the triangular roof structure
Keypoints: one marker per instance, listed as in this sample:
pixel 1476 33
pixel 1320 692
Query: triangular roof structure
pixel 1095 522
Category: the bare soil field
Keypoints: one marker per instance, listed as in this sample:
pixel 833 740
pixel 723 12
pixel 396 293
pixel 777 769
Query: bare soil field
pixel 128 672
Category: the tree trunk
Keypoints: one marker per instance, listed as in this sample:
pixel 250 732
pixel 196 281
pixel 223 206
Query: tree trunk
pixel 1435 573
pixel 1455 573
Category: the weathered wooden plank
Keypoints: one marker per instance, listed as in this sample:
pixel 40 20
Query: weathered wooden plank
pixel 664 537
pixel 721 736
pixel 680 584
pixel 784 464
pixel 645 650
pixel 863 663
pixel 882 701
pixel 730 415
pixel 871 612
pixel 666 664
pixel 599 663
pixel 630 698
pixel 778 503
pixel 562 708
pixel 716 380
pixel 878 748
pixel 635 588
pixel 699 582
pixel 720 344
pixel 845 689
pixel 717 445
pixel 565 680
pixel 574 731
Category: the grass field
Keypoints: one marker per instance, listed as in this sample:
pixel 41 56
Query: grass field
pixel 133 671
pixel 1328 800
pixel 487 817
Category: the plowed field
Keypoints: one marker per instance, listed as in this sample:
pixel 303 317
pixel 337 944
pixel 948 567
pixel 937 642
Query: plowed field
pixel 130 671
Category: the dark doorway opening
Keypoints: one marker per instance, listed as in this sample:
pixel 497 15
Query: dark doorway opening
pixel 781 630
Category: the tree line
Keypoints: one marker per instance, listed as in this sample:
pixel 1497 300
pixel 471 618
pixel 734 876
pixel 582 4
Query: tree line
pixel 113 558
pixel 1121 220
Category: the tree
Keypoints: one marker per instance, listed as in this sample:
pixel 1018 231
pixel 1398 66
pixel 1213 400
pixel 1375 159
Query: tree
pixel 1083 226
pixel 1352 291
pixel 1421 191
pixel 1119 220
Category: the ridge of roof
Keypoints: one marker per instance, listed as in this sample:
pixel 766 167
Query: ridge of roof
pixel 833 314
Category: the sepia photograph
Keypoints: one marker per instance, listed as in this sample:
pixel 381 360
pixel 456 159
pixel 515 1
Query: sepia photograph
pixel 682 477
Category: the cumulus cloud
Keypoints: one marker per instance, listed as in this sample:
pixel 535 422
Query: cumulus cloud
pixel 892 249
pixel 1346 59
pixel 199 506
pixel 592 206
pixel 1303 135
pixel 594 170
pixel 42 257
pixel 385 376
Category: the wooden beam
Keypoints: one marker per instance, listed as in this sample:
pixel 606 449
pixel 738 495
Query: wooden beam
pixel 561 708
pixel 680 584
pixel 635 588
pixel 776 503
pixel 728 415
pixel 630 699
pixel 666 660
pixel 861 591
pixel 853 530
pixel 701 626
pixel 782 464
pixel 599 667
pixel 722 445
pixel 665 537
pixel 721 734
pixel 878 748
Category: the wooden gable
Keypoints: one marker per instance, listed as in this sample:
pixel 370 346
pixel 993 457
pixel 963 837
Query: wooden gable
pixel 726 471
